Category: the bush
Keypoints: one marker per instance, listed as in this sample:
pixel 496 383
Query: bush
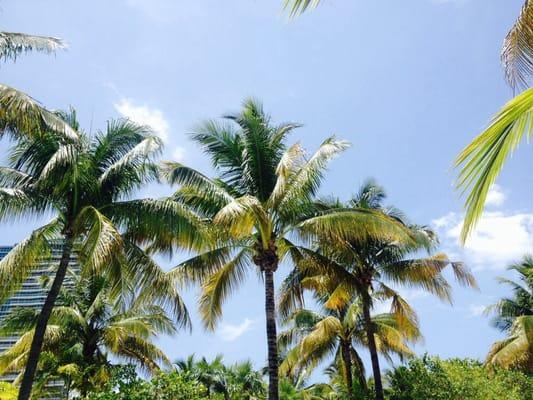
pixel 125 385
pixel 430 378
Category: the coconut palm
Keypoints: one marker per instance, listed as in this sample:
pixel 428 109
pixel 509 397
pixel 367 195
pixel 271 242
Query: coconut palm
pixel 514 315
pixel 245 383
pixel 87 328
pixel 365 267
pixel 336 331
pixel 84 184
pixel 260 201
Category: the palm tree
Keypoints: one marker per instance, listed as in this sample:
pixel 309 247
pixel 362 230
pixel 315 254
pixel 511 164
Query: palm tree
pixel 88 327
pixel 213 375
pixel 244 382
pixel 260 201
pixel 483 159
pixel 84 183
pixel 336 330
pixel 364 267
pixel 19 113
pixel 515 317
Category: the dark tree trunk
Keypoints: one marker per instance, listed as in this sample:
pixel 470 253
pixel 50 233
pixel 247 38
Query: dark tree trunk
pixel 347 361
pixel 369 328
pixel 272 339
pixel 42 321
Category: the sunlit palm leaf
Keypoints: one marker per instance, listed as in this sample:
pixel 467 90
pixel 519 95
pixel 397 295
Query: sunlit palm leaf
pixel 13 44
pixel 482 160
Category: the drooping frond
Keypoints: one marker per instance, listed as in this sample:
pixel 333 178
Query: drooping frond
pixel 21 115
pixel 517 52
pixel 241 215
pixel 13 44
pixel 24 257
pixel 220 285
pixel 102 243
pixel 516 351
pixel 482 160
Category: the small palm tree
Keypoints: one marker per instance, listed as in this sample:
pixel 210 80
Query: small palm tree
pixel 260 202
pixel 336 330
pixel 363 267
pixel 89 326
pixel 213 375
pixel 515 317
pixel 244 382
pixel 84 184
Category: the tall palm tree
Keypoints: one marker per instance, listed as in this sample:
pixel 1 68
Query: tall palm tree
pixel 19 113
pixel 365 267
pixel 260 201
pixel 336 330
pixel 514 315
pixel 87 328
pixel 84 184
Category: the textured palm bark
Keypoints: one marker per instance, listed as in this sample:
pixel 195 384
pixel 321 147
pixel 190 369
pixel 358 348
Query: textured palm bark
pixel 369 328
pixel 42 322
pixel 270 310
pixel 347 361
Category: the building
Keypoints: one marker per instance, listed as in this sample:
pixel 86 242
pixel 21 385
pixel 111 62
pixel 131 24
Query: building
pixel 31 294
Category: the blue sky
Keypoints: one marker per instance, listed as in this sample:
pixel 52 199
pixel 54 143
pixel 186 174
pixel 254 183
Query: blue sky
pixel 408 83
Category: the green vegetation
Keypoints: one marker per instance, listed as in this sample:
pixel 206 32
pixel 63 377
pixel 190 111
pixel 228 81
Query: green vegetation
pixel 261 209
pixel 455 379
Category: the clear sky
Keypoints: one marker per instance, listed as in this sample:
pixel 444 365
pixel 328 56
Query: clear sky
pixel 409 83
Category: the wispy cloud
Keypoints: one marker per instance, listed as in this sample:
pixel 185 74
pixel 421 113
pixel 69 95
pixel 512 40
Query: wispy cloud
pixel 476 310
pixel 178 154
pixel 144 115
pixel 230 332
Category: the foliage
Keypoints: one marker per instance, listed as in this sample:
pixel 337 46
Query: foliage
pixel 88 327
pixel 125 385
pixel 8 391
pixel 514 315
pixel 431 378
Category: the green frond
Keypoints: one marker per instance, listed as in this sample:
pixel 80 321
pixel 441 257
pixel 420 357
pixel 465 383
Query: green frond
pixel 102 242
pixel 517 52
pixel 404 314
pixel 321 341
pixel 21 115
pixel 516 351
pixel 303 183
pixel 24 257
pixel 482 160
pixel 357 225
pixel 220 285
pixel 146 354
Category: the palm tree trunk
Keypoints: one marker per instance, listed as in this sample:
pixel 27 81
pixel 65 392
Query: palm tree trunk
pixel 369 328
pixel 270 310
pixel 347 361
pixel 42 322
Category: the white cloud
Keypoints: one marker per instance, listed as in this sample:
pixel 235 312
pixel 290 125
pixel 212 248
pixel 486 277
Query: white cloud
pixel 178 154
pixel 144 115
pixel 230 332
pixel 495 196
pixel 499 238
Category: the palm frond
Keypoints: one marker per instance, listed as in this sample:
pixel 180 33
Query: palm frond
pixel 220 285
pixel 21 115
pixel 482 160
pixel 296 7
pixel 13 44
pixel 517 52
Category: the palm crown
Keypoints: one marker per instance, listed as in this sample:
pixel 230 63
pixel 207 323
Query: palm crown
pixel 84 183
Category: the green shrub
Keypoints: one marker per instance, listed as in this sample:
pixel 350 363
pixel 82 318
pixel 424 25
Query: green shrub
pixel 430 378
pixel 125 385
